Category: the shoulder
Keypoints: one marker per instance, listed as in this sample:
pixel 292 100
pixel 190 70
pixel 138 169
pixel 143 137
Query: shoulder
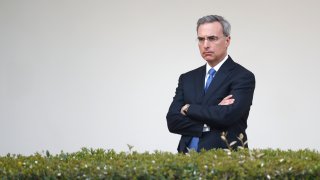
pixel 197 71
pixel 193 75
pixel 242 74
pixel 242 69
pixel 236 67
pixel 237 71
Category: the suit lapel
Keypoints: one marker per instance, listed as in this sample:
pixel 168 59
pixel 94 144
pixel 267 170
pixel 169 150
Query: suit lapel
pixel 220 76
pixel 199 84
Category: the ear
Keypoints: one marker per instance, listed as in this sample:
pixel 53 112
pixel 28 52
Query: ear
pixel 228 39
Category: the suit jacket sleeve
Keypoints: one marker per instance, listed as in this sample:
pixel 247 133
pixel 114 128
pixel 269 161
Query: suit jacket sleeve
pixel 178 123
pixel 224 116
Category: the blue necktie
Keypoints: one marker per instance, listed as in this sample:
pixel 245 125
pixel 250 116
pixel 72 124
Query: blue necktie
pixel 209 80
pixel 195 140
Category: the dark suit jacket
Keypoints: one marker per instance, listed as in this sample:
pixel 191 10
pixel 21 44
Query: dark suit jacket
pixel 231 78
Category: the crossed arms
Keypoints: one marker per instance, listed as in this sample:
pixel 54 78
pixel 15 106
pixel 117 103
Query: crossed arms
pixel 188 119
pixel 225 101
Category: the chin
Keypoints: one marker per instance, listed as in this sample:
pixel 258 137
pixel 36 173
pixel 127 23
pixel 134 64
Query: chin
pixel 209 60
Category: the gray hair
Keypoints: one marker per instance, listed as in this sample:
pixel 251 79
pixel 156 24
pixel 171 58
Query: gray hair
pixel 216 18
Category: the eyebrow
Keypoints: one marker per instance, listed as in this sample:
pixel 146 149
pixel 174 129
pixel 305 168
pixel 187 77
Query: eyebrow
pixel 212 36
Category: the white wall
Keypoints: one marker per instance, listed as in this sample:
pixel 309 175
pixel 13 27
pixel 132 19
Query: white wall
pixel 102 74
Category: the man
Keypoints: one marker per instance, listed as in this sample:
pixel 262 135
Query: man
pixel 213 100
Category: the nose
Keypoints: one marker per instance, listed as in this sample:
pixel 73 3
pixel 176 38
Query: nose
pixel 206 43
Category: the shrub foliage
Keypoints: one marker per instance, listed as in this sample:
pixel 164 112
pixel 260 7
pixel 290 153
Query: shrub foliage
pixel 213 164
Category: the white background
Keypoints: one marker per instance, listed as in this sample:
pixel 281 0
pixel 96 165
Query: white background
pixel 102 74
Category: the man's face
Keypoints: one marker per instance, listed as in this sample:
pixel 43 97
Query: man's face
pixel 213 44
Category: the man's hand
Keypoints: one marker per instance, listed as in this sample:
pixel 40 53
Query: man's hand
pixel 227 101
pixel 184 109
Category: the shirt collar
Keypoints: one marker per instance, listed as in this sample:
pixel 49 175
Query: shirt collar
pixel 216 67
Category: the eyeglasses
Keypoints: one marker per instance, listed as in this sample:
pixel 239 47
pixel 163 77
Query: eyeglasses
pixel 210 39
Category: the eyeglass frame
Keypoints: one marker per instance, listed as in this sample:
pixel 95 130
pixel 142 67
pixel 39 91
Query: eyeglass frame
pixel 210 39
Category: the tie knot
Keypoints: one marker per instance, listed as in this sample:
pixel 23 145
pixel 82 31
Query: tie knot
pixel 212 72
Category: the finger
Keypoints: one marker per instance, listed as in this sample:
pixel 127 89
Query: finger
pixel 228 97
pixel 227 102
pixel 182 112
pixel 223 102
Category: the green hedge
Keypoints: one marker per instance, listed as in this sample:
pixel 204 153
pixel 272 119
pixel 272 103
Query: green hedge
pixel 214 164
